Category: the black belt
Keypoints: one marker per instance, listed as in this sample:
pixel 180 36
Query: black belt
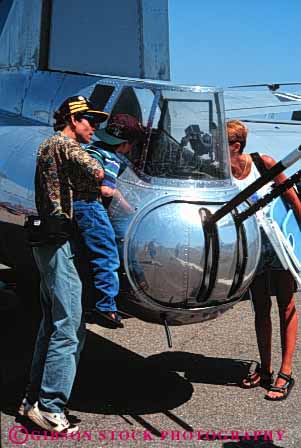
pixel 86 196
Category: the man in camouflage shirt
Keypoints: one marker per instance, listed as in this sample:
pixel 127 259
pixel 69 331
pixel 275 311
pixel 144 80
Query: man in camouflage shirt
pixel 63 168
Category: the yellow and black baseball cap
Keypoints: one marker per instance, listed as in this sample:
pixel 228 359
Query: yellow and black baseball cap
pixel 80 104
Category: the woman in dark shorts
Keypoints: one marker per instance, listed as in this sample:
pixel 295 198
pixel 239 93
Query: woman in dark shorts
pixel 270 279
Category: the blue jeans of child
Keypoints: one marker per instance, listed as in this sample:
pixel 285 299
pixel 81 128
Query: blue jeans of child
pixel 62 330
pixel 101 249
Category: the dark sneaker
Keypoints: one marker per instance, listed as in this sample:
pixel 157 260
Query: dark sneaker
pixel 111 317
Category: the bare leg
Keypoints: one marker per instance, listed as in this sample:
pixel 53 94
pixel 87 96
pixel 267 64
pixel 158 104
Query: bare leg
pixel 263 325
pixel 288 324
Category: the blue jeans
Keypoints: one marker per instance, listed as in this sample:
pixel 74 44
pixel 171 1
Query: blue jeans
pixel 101 250
pixel 62 330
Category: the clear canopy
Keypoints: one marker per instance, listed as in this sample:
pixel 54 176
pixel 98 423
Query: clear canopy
pixel 185 132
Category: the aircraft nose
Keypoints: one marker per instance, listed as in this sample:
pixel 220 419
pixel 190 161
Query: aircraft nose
pixel 171 260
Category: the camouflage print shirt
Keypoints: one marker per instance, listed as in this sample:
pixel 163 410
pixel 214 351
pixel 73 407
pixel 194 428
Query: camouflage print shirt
pixel 63 167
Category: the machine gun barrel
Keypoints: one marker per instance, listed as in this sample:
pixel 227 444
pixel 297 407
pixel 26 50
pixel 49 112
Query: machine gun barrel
pixel 277 191
pixel 282 165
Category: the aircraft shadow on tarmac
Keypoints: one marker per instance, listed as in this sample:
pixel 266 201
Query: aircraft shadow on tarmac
pixel 114 380
pixel 201 369
pixel 111 379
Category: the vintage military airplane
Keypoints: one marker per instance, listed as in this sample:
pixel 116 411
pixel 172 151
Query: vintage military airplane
pixel 186 257
pixel 176 269
pixel 170 184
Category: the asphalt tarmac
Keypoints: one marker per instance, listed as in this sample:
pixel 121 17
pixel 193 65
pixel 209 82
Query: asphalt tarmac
pixel 132 391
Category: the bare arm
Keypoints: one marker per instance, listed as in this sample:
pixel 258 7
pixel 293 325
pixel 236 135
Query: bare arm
pixel 109 192
pixel 290 195
pixel 106 191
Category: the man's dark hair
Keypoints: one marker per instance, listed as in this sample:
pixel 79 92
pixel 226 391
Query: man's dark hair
pixel 61 121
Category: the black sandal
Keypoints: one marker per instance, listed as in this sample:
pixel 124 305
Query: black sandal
pixel 284 390
pixel 258 378
pixel 111 317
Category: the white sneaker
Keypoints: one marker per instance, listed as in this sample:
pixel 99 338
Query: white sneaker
pixel 25 406
pixel 51 421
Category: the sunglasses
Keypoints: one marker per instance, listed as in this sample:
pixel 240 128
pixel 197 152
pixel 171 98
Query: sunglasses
pixel 92 120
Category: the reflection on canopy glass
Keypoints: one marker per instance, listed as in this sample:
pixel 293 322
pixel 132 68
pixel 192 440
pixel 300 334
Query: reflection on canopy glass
pixel 185 133
pixel 187 143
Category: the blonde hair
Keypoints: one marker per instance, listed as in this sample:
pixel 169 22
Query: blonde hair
pixel 237 132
